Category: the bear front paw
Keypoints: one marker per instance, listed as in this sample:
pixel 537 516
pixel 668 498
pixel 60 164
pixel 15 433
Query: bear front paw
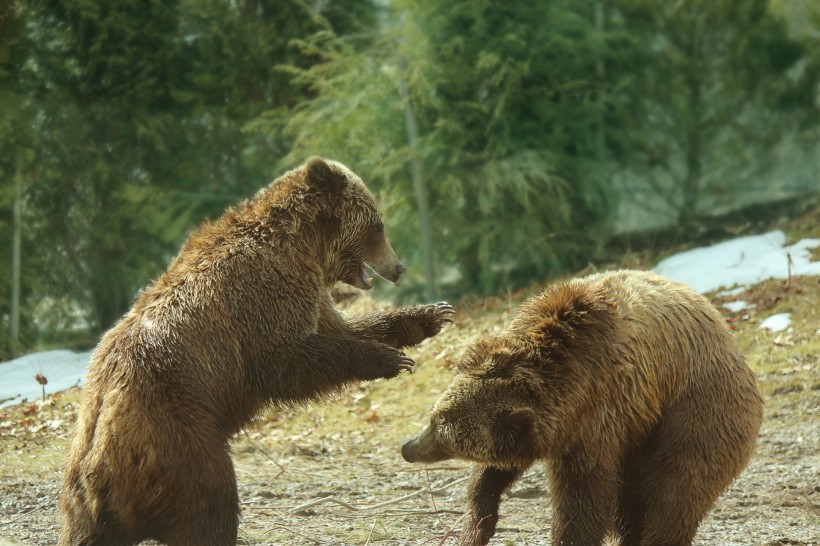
pixel 438 314
pixel 429 320
pixel 392 362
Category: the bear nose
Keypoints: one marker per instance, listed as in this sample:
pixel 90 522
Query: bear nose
pixel 400 268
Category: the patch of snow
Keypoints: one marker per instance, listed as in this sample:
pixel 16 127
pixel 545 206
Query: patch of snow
pixel 732 292
pixel 736 306
pixel 777 322
pixel 62 369
pixel 744 261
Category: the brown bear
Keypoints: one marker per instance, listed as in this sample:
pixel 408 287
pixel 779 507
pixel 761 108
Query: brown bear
pixel 631 388
pixel 242 317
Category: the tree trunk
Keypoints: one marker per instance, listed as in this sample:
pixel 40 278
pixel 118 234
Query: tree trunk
pixel 691 183
pixel 419 187
pixel 692 153
pixel 15 264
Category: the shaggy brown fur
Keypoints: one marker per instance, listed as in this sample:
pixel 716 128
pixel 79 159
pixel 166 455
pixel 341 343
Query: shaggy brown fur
pixel 632 389
pixel 242 317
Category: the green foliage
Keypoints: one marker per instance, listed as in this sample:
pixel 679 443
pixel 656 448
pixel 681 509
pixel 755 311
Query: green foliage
pixel 355 115
pixel 513 117
pixel 508 115
pixel 718 86
pixel 230 50
pixel 132 114
pixel 15 154
pixel 128 122
pixel 101 76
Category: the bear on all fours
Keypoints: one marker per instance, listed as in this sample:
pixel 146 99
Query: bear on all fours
pixel 241 318
pixel 628 385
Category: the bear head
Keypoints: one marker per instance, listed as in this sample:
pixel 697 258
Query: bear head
pixel 488 413
pixel 520 396
pixel 353 237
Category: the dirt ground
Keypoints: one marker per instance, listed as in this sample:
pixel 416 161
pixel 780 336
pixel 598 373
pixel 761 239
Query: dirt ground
pixel 333 473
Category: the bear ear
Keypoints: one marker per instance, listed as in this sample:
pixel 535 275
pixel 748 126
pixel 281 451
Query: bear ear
pixel 567 314
pixel 501 364
pixel 520 420
pixel 320 174
pixel 515 427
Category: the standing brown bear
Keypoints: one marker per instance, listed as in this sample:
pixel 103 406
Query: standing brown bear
pixel 242 317
pixel 632 389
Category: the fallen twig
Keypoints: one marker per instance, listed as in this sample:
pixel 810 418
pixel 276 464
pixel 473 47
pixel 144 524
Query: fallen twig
pixel 400 512
pixel 426 468
pixel 313 540
pixel 449 534
pixel 282 469
pixel 374 506
pixel 27 512
pixel 370 534
pixel 334 500
pixel 435 508
pixel 266 454
pixel 365 514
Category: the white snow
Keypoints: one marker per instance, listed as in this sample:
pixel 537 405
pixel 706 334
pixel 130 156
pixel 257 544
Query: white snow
pixel 744 261
pixel 732 292
pixel 778 322
pixel 737 263
pixel 736 306
pixel 62 369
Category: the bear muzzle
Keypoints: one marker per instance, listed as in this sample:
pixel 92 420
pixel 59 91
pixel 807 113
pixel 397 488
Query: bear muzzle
pixel 425 448
pixel 386 264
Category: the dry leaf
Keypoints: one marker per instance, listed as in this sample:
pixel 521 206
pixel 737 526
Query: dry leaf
pixel 784 340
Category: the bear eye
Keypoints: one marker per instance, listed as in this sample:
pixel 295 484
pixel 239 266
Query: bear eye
pixel 438 423
pixel 377 231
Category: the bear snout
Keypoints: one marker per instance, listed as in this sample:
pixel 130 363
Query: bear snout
pixel 388 269
pixel 424 448
pixel 399 270
pixel 408 451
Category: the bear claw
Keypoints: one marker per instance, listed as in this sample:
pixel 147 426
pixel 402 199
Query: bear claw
pixel 406 363
pixel 443 309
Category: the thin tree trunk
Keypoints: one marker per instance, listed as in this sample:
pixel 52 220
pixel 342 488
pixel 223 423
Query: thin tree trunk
pixel 600 72
pixel 15 263
pixel 694 136
pixel 691 183
pixel 418 185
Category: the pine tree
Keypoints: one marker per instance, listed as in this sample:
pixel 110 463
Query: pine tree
pixel 508 110
pixel 718 86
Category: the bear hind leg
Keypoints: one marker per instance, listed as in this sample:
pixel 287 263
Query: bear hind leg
pixel 207 513
pixel 81 526
pixel 629 510
pixel 104 533
pixel 687 464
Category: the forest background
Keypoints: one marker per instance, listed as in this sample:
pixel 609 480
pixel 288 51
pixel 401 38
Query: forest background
pixel 506 141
